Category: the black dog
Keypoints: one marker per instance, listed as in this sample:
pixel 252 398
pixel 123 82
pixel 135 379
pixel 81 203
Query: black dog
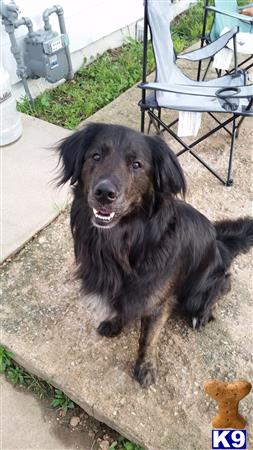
pixel 137 246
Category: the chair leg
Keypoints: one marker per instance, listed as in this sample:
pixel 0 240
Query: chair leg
pixel 149 126
pixel 159 117
pixel 240 121
pixel 154 122
pixel 238 126
pixel 232 146
pixel 142 120
pixel 207 68
pixel 218 121
pixel 225 181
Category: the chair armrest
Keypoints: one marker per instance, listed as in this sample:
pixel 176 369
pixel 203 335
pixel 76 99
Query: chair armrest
pixel 211 49
pixel 242 17
pixel 202 91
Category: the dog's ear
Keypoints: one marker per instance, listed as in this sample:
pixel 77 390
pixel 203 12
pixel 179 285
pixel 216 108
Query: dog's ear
pixel 72 153
pixel 168 174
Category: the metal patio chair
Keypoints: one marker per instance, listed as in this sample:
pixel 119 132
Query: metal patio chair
pixel 173 90
pixel 227 16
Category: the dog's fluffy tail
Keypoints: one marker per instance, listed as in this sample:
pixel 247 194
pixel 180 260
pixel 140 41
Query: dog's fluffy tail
pixel 234 237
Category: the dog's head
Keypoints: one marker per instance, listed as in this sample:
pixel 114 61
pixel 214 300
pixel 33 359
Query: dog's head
pixel 118 170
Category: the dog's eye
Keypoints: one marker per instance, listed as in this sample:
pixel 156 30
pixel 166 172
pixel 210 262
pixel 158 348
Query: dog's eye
pixel 96 157
pixel 136 165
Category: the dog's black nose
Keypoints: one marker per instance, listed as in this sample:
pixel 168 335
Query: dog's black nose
pixel 105 190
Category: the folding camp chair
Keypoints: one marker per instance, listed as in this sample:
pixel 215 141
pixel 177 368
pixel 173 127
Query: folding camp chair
pixel 174 90
pixel 226 16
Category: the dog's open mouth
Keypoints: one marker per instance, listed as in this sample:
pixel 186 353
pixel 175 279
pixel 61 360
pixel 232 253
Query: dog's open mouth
pixel 103 217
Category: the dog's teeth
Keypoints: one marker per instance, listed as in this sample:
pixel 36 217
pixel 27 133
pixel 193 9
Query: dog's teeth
pixel 194 322
pixel 102 217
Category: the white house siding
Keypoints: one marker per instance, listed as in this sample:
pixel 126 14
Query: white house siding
pixel 93 26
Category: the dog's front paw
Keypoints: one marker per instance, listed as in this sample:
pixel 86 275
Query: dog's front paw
pixel 145 373
pixel 110 328
pixel 202 319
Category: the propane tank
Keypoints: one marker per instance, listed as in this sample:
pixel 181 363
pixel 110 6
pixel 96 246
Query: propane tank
pixel 10 122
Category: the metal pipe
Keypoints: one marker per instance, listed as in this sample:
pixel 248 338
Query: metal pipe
pixel 60 14
pixel 27 22
pixel 59 11
pixel 9 11
pixel 21 68
pixel 45 17
pixel 10 20
pixel 27 90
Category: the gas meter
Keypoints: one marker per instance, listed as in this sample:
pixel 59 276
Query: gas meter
pixel 46 52
pixel 45 55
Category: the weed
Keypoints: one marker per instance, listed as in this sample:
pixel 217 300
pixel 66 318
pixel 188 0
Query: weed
pixel 19 377
pixel 61 401
pixel 123 444
pixel 5 359
pixel 126 445
pixel 61 207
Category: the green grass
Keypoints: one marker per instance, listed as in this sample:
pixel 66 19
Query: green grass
pixel 93 87
pixel 18 376
pixel 123 444
pixel 243 2
pixel 97 84
pixel 61 401
pixel 187 28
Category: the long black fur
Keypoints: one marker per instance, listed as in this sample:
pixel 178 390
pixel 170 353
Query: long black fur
pixel 162 238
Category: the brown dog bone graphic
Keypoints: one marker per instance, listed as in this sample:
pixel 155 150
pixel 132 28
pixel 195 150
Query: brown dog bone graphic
pixel 228 396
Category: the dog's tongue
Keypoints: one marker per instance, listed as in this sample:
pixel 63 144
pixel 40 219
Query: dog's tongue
pixel 104 212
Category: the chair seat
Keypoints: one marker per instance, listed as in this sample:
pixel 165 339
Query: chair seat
pixel 198 103
pixel 209 105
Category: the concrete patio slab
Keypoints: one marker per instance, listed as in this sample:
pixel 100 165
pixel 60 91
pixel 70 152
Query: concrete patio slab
pixel 29 199
pixel 45 323
pixel 30 423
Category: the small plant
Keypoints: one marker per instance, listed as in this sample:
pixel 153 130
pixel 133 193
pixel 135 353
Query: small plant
pixel 124 444
pixel 19 377
pixel 130 446
pixel 60 207
pixel 5 359
pixel 61 401
pixel 15 375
